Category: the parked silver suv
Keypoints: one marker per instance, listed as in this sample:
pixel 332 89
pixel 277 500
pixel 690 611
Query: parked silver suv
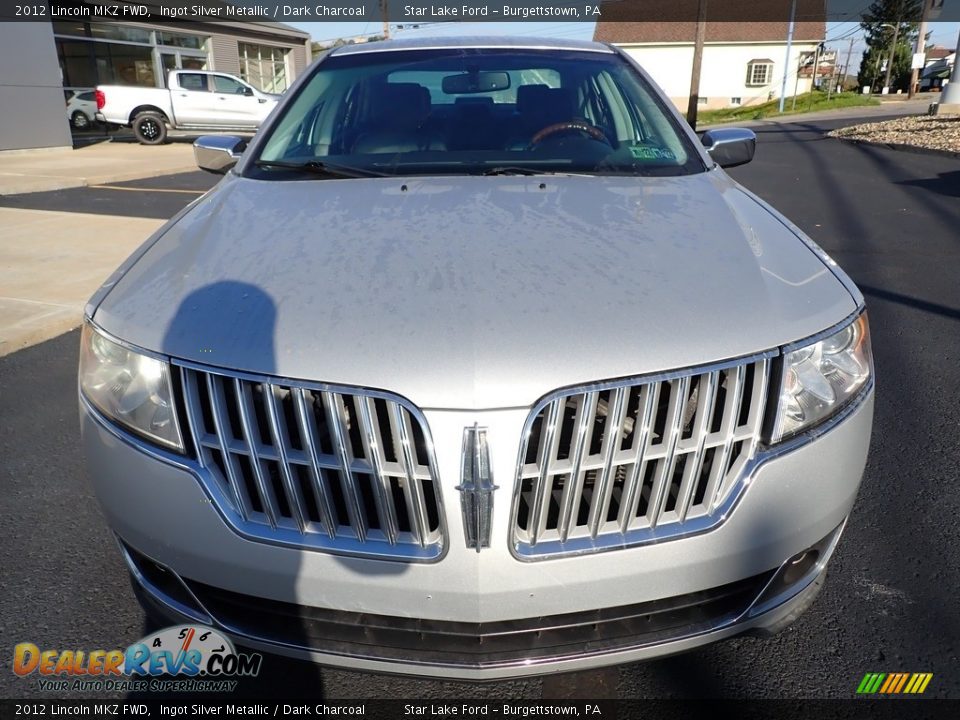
pixel 476 364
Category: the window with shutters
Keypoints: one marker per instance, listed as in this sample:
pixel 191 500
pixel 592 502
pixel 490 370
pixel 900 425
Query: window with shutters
pixel 759 72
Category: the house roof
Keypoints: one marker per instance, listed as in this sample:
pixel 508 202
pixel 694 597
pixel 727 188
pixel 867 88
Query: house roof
pixel 666 21
pixel 938 53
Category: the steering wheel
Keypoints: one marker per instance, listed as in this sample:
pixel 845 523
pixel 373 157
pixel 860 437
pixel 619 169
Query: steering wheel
pixel 579 125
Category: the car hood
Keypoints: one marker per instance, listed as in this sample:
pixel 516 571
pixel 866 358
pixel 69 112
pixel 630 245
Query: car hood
pixel 473 292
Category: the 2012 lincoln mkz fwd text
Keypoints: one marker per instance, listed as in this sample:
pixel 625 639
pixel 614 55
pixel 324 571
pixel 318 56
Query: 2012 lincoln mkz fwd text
pixel 476 364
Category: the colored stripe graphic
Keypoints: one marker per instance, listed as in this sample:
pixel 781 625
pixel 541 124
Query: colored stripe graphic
pixel 890 682
pixel 901 682
pixel 862 687
pixel 894 683
pixel 871 683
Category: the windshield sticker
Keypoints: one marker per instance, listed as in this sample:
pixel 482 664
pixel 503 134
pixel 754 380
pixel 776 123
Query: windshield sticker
pixel 646 152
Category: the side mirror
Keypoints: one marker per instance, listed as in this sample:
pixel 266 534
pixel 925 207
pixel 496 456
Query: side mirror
pixel 730 147
pixel 218 153
pixel 247 91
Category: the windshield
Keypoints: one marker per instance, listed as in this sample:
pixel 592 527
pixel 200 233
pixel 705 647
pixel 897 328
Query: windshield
pixel 475 111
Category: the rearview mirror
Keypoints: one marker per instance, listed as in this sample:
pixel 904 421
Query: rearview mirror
pixel 730 147
pixel 218 153
pixel 475 82
pixel 247 91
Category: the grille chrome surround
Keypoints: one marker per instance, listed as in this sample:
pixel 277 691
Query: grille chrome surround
pixel 651 458
pixel 340 469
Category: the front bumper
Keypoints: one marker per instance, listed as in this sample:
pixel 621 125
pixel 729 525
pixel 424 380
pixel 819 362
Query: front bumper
pixel 794 501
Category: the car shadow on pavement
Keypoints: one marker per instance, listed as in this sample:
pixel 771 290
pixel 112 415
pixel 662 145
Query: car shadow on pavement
pixel 787 135
pixel 924 305
pixel 947 183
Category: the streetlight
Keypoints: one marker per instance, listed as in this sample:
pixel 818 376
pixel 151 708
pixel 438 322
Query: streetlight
pixel 893 50
pixel 878 65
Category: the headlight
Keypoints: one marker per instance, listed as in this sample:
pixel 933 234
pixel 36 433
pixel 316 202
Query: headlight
pixel 129 388
pixel 822 377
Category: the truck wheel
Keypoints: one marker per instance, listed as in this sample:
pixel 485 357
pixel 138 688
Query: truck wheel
pixel 150 128
pixel 80 120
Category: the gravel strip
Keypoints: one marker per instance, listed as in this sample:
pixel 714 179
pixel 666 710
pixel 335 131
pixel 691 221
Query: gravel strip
pixel 940 132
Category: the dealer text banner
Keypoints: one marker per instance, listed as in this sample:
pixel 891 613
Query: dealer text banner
pixel 417 11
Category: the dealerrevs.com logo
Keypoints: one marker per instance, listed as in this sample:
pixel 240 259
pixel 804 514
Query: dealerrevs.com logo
pixel 189 658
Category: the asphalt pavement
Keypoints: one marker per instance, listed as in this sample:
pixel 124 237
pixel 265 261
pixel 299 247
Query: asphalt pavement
pixel 158 197
pixel 890 218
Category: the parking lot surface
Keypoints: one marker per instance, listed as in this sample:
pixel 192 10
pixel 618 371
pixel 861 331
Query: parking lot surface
pixel 889 218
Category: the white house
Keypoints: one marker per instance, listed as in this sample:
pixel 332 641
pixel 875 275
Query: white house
pixel 937 68
pixel 743 63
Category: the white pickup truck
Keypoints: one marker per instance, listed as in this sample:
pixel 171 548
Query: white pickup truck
pixel 193 100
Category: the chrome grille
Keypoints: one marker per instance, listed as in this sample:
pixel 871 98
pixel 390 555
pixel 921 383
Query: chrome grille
pixel 341 469
pixel 618 464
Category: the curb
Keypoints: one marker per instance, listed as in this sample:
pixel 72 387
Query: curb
pixel 900 147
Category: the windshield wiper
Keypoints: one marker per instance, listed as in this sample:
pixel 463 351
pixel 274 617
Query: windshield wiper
pixel 513 170
pixel 518 170
pixel 321 168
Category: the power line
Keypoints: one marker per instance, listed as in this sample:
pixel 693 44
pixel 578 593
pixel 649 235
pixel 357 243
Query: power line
pixel 844 36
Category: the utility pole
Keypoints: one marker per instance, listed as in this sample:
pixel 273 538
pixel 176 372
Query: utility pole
pixel 786 62
pixel 846 65
pixel 385 11
pixel 920 47
pixel 837 69
pixel 694 102
pixel 796 88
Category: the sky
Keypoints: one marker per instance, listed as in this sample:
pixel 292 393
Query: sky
pixel 838 33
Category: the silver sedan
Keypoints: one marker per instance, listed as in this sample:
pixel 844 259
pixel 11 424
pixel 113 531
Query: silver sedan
pixel 476 364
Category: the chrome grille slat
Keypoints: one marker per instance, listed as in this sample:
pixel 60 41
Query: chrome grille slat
pixel 692 472
pixel 252 443
pixel 217 401
pixel 308 431
pixel 678 398
pixel 416 502
pixel 194 413
pixel 346 470
pixel 280 437
pixel 381 483
pixel 336 418
pixel 731 411
pixel 628 510
pixel 634 461
pixel 611 438
pixel 545 486
pixel 574 485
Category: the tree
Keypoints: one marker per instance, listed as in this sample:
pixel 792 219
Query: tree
pixel 886 22
pixel 317 48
